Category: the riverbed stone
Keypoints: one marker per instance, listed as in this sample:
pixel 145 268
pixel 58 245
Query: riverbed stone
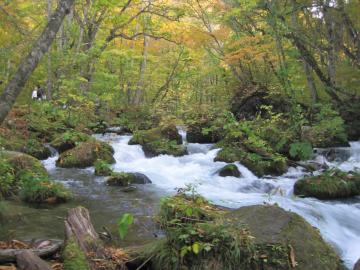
pixel 271 224
pixel 85 154
pixel 332 184
pixel 126 179
pixel 68 140
pixel 229 170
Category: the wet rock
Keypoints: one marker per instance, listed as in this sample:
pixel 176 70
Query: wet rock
pixel 127 179
pixel 68 140
pixel 273 225
pixel 313 166
pixel 229 170
pixel 160 141
pixel 85 154
pixel 332 184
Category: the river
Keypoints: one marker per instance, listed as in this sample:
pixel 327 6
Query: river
pixel 337 220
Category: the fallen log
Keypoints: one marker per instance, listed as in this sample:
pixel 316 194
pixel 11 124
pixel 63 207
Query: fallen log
pixel 28 260
pixel 10 255
pixel 79 230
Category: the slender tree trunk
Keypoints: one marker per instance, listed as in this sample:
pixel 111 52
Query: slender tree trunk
pixel 143 64
pixel 30 62
pixel 49 82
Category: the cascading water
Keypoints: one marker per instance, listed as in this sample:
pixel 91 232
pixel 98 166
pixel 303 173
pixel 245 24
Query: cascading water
pixel 337 220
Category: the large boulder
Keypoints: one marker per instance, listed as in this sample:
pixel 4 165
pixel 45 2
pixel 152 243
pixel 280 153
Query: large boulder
pixel 160 141
pixel 126 179
pixel 204 131
pixel 85 154
pixel 68 140
pixel 229 170
pixel 332 184
pixel 273 225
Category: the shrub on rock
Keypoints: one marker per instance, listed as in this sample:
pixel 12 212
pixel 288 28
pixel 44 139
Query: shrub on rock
pixel 332 184
pixel 68 140
pixel 159 141
pixel 85 154
pixel 102 168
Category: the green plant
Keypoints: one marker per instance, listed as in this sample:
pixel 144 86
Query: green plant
pixel 7 178
pixel 124 223
pixel 301 150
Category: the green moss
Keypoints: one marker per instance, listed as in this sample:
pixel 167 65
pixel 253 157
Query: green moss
pixel 229 170
pixel 102 168
pixel 73 257
pixel 124 179
pixel 85 154
pixel 68 140
pixel 159 141
pixel 332 184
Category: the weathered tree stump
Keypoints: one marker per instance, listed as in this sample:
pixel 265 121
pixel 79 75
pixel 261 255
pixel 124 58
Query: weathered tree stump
pixel 27 260
pixel 79 229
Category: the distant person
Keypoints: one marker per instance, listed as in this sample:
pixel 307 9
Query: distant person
pixel 34 94
pixel 40 93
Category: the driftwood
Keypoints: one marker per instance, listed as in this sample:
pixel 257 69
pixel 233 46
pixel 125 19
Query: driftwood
pixel 28 260
pixel 78 227
pixel 10 255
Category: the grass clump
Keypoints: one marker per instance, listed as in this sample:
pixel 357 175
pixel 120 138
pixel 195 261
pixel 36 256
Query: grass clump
pixel 102 168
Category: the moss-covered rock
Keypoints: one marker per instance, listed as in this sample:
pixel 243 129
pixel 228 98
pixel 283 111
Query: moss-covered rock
pixel 85 154
pixel 202 236
pixel 23 175
pixel 74 258
pixel 203 131
pixel 259 163
pixel 332 184
pixel 126 179
pixel 160 141
pixel 229 170
pixel 102 168
pixel 68 140
pixel 271 224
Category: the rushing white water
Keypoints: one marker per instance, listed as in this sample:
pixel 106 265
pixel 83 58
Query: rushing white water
pixel 338 221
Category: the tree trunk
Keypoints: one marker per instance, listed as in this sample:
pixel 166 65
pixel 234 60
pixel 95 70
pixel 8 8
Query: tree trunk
pixel 49 64
pixel 141 82
pixel 27 260
pixel 78 227
pixel 30 62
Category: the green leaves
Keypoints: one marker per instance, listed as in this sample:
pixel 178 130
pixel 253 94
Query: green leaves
pixel 301 150
pixel 124 224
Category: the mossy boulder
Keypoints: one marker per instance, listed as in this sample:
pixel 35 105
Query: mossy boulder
pixel 332 184
pixel 229 170
pixel 102 168
pixel 160 141
pixel 126 179
pixel 85 154
pixel 68 140
pixel 273 225
pixel 260 163
pixel 23 175
pixel 203 131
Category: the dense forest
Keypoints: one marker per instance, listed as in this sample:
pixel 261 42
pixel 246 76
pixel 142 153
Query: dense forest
pixel 233 124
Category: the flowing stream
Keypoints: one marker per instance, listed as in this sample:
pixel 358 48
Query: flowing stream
pixel 337 220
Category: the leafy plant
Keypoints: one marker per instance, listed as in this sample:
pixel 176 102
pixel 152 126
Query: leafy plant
pixel 301 150
pixel 124 223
